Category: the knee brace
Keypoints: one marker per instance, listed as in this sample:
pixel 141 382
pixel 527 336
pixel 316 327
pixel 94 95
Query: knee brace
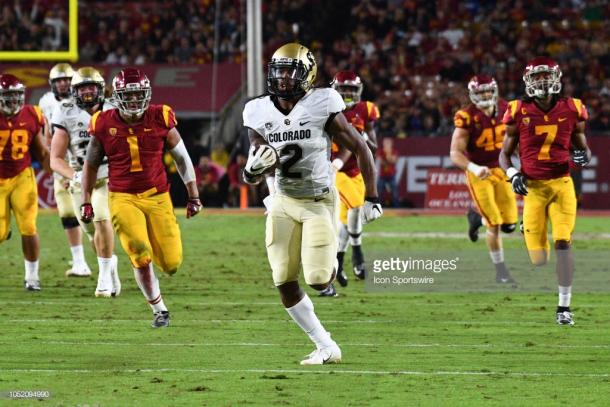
pixel 70 222
pixel 508 227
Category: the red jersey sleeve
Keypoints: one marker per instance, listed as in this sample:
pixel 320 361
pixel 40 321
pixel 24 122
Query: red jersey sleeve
pixel 372 111
pixel 168 117
pixel 461 119
pixel 95 125
pixel 40 120
pixel 511 112
pixel 577 106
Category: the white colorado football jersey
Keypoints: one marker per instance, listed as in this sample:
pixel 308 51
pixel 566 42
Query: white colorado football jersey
pixel 299 139
pixel 75 122
pixel 48 102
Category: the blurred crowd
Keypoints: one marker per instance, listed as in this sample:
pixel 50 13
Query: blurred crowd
pixel 166 32
pixel 414 56
pixel 34 25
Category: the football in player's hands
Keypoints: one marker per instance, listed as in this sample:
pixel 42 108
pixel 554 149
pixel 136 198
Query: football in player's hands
pixel 261 159
pixel 580 157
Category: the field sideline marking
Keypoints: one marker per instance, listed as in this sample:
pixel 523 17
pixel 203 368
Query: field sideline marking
pixel 509 304
pixel 461 235
pixel 306 371
pixel 282 321
pixel 367 345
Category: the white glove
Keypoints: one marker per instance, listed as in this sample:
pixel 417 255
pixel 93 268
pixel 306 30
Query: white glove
pixel 337 164
pixel 76 179
pixel 260 160
pixel 371 210
pixel 480 171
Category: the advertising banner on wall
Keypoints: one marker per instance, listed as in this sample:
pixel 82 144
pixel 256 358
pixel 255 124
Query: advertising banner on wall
pixel 419 156
pixel 193 91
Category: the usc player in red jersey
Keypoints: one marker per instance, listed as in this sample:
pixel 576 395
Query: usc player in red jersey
pixel 475 145
pixel 21 128
pixel 350 184
pixel 133 137
pixel 548 129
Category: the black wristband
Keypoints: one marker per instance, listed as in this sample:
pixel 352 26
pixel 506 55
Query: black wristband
pixel 251 179
pixel 372 199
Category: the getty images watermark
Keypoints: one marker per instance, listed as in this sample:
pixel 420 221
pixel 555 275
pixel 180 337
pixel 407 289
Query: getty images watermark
pixel 396 271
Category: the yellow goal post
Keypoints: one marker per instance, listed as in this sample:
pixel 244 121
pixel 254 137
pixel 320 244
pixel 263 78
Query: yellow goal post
pixel 70 55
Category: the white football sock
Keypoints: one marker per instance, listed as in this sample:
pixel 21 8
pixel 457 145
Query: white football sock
pixel 304 315
pixel 31 270
pixel 497 257
pixel 354 226
pixel 149 285
pixel 565 296
pixel 343 238
pixel 105 265
pixel 78 255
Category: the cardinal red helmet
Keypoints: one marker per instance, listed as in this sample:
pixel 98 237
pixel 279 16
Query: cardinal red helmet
pixel 12 94
pixel 132 92
pixel 349 85
pixel 483 91
pixel 542 77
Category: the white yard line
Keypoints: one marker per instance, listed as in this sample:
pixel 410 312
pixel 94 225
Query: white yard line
pixel 276 321
pixel 464 236
pixel 283 345
pixel 494 303
pixel 330 370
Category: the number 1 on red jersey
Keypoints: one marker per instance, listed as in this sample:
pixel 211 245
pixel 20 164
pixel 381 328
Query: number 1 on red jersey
pixel 134 151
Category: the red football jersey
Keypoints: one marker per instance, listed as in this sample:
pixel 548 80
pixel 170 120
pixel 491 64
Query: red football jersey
pixel 134 151
pixel 16 136
pixel 544 138
pixel 359 116
pixel 485 134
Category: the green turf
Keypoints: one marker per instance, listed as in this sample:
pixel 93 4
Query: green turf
pixel 232 343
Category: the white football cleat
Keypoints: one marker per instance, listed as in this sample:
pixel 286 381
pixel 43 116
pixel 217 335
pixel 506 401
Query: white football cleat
pixel 323 356
pixel 114 273
pixel 104 285
pixel 79 271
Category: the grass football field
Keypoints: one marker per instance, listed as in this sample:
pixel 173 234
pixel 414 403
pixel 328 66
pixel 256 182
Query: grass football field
pixel 231 343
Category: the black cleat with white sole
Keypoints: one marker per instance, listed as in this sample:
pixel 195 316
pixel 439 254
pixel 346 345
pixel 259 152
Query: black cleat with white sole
pixel 329 291
pixel 32 285
pixel 160 320
pixel 564 316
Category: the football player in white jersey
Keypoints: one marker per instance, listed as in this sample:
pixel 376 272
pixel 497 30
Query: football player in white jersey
pixel 302 217
pixel 70 123
pixel 59 79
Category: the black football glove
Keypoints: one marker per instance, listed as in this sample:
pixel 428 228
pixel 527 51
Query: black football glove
pixel 580 157
pixel 519 184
